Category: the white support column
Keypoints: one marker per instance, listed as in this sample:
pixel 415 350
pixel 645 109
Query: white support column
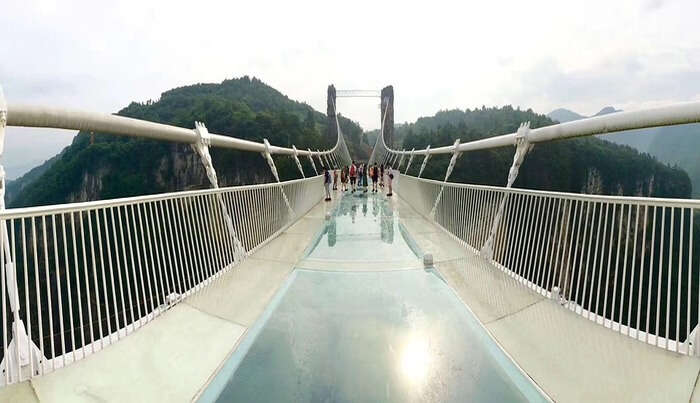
pixel 425 161
pixel 268 157
pixel 522 147
pixel 296 159
pixel 400 161
pixel 311 158
pixel 320 159
pixel 410 159
pixel 455 155
pixel 22 354
pixel 201 148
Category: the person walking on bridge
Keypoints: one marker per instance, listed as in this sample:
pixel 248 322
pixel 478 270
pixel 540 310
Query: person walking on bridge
pixel 335 179
pixel 353 176
pixel 375 177
pixel 344 179
pixel 389 179
pixel 327 183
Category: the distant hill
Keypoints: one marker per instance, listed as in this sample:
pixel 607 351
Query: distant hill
pixel 584 165
pixel 674 145
pixel 562 115
pixel 106 166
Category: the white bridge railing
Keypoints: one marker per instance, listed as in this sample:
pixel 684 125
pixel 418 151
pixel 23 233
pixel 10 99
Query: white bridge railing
pixel 630 264
pixel 78 277
pixel 89 274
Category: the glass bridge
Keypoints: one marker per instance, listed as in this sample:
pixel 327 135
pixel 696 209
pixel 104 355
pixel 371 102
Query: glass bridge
pixel 397 335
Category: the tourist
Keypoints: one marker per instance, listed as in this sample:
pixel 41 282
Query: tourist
pixel 364 177
pixel 375 177
pixel 335 179
pixel 344 179
pixel 381 176
pixel 389 179
pixel 327 183
pixel 353 176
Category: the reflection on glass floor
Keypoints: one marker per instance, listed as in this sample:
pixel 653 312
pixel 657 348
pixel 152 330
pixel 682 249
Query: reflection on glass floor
pixel 367 337
pixel 363 227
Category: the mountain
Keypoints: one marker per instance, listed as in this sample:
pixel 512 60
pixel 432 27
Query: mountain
pixel 583 165
pixel 674 145
pixel 107 166
pixel 564 115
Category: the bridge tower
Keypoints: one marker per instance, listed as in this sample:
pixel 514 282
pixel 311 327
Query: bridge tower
pixel 331 128
pixel 387 106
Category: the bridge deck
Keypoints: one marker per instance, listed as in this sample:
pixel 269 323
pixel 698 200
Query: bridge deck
pixel 174 357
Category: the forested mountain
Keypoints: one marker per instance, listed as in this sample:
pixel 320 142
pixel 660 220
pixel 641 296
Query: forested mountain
pixel 106 166
pixel 586 165
pixel 674 145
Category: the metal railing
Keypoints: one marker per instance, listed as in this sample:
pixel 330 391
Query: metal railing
pixel 80 276
pixel 627 263
pixel 91 273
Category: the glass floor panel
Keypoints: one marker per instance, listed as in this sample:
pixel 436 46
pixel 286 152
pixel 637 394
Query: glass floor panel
pixel 363 227
pixel 396 336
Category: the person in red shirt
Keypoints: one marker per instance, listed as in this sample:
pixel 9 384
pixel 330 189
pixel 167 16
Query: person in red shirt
pixel 353 176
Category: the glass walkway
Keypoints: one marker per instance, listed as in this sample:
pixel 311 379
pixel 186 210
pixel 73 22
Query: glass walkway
pixel 398 335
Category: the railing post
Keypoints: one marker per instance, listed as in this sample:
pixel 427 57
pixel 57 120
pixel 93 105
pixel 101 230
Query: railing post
pixel 425 161
pixel 296 159
pixel 311 158
pixel 410 159
pixel 522 147
pixel 320 159
pixel 21 349
pixel 201 148
pixel 268 157
pixel 401 160
pixel 455 155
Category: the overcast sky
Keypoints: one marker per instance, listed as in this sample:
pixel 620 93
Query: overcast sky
pixel 581 55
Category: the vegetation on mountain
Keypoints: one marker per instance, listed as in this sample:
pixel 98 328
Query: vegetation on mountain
pixel 103 166
pixel 588 165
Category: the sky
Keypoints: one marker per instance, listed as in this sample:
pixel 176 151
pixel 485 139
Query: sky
pixel 580 55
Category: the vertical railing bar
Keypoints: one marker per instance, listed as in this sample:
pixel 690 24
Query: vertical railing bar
pixel 624 268
pixel 588 261
pixel 165 251
pixel 86 271
pixel 153 271
pixel 580 271
pixel 572 298
pixel 173 264
pixel 573 244
pixel 69 289
pixel 607 273
pixel 132 246
pixel 549 253
pixel 181 243
pixel 190 241
pixel 680 275
pixel 206 251
pixel 661 259
pixel 148 268
pixel 48 292
pixel 104 276
pixel 690 276
pixel 668 278
pixel 61 326
pixel 195 223
pixel 651 273
pixel 634 260
pixel 126 269
pixel 594 268
pixel 26 295
pixel 111 269
pixel 641 272
pixel 617 267
pixel 162 271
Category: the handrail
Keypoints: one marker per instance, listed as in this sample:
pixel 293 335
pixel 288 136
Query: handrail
pixel 62 118
pixel 676 114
